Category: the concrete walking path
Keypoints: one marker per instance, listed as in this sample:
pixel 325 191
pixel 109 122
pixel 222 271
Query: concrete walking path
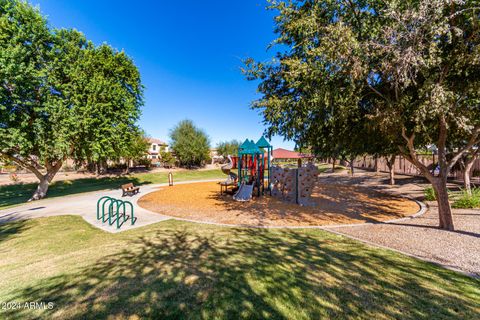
pixel 85 205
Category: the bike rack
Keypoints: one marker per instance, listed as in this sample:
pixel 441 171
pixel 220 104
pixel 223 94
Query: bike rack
pixel 114 206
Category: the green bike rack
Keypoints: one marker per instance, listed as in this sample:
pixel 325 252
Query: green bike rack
pixel 132 218
pixel 105 199
pixel 101 204
pixel 114 210
pixel 117 204
pixel 107 202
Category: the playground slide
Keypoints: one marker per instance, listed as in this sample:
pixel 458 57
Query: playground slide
pixel 232 177
pixel 244 193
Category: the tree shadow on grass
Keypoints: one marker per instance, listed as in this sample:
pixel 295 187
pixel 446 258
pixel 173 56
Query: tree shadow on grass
pixel 12 229
pixel 253 274
pixel 19 193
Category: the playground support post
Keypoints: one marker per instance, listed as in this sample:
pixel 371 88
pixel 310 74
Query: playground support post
pixel 239 167
pixel 269 170
pixel 257 166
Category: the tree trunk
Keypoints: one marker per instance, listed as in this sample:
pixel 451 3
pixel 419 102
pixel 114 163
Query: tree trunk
pixel 41 190
pixel 376 167
pixel 91 166
pixel 391 172
pixel 45 180
pixel 391 169
pixel 127 170
pixel 334 160
pixel 439 183
pixel 466 182
pixel 444 210
pixel 352 168
pixel 101 167
pixel 466 175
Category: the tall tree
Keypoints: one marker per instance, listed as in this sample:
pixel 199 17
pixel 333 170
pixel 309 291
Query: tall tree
pixel 190 144
pixel 409 69
pixel 60 97
pixel 226 148
pixel 134 148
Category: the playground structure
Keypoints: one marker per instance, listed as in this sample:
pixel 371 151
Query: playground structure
pixel 294 185
pixel 114 212
pixel 256 176
pixel 253 169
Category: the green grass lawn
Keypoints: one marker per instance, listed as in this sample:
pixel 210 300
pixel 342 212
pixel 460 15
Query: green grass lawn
pixel 11 195
pixel 176 270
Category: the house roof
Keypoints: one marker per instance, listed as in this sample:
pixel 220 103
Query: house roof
pixel 280 153
pixel 156 141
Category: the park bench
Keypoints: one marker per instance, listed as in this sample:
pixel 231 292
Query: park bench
pixel 130 189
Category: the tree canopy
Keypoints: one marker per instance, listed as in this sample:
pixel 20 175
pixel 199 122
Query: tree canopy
pixel 190 144
pixel 60 96
pixel 354 73
pixel 226 148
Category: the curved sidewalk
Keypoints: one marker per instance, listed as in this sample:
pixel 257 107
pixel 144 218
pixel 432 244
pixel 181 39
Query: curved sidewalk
pixel 85 205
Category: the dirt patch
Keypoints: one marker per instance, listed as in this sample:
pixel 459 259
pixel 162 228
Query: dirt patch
pixel 335 204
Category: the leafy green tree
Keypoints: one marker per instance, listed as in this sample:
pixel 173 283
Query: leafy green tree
pixel 60 96
pixel 135 148
pixel 167 158
pixel 406 69
pixel 226 148
pixel 190 144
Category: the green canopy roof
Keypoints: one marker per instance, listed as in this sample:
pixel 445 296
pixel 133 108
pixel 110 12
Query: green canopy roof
pixel 249 147
pixel 263 143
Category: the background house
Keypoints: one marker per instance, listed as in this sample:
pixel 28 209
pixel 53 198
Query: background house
pixel 155 148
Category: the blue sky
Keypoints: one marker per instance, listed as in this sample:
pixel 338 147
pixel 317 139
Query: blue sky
pixel 189 55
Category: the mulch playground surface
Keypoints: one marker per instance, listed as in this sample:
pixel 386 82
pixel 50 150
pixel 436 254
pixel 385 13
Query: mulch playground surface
pixel 335 204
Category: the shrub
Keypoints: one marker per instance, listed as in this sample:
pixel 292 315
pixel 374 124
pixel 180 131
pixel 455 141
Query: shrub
pixel 10 168
pixel 145 162
pixel 466 201
pixel 429 194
